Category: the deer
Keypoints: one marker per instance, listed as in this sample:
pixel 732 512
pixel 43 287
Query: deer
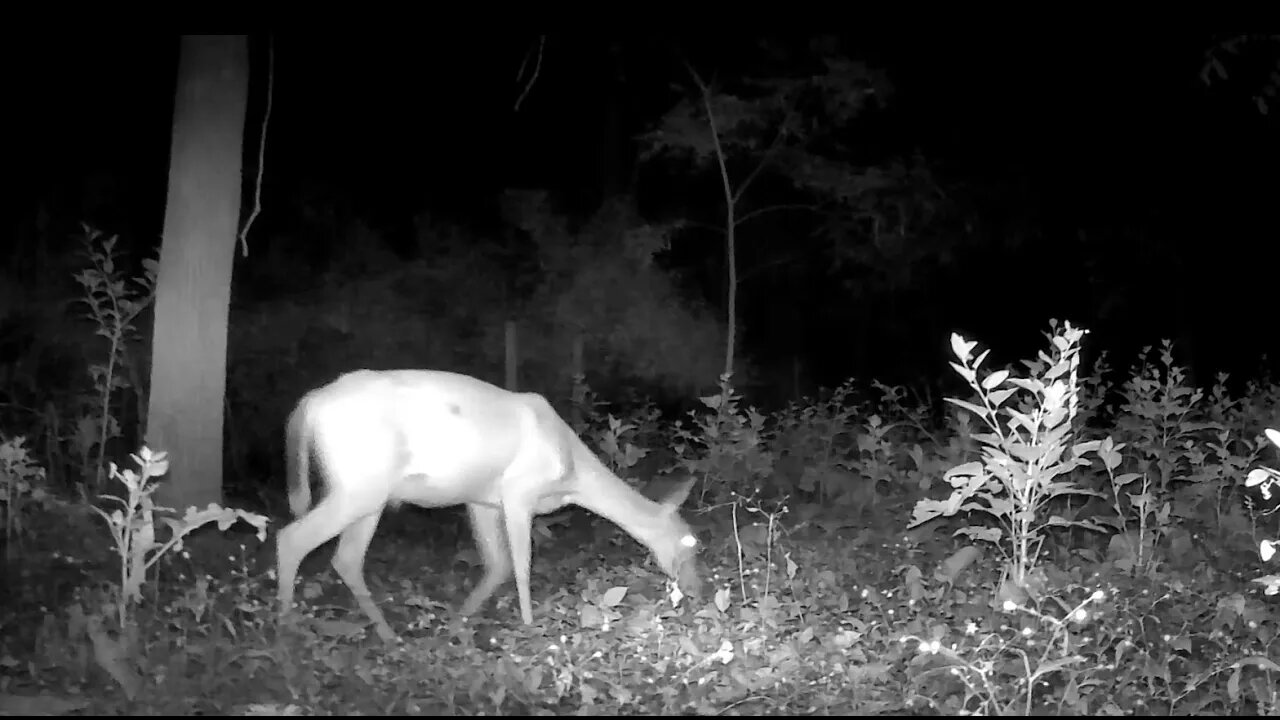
pixel 436 439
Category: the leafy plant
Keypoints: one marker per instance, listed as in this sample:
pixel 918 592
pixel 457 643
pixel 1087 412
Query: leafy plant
pixel 133 525
pixel 1234 49
pixel 724 445
pixel 812 445
pixel 1027 454
pixel 619 452
pixel 1265 479
pixel 622 442
pixel 1160 417
pixel 22 483
pixel 113 305
pixel 1133 550
pixel 1189 446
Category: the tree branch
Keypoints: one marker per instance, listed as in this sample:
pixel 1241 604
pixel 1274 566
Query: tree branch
pixel 537 68
pixel 772 208
pixel 704 226
pixel 768 155
pixel 705 90
pixel 262 147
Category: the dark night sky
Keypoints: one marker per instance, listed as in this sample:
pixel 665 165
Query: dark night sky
pixel 1095 130
pixel 405 120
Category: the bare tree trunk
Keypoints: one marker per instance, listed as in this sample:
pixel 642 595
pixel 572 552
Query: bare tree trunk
pixel 193 294
pixel 731 258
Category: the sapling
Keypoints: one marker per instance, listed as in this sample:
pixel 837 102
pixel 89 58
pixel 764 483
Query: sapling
pixel 113 306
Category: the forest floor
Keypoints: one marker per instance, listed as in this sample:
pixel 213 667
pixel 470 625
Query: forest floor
pixel 809 614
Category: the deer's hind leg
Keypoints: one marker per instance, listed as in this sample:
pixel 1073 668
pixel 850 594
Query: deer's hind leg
pixel 332 516
pixel 296 541
pixel 348 561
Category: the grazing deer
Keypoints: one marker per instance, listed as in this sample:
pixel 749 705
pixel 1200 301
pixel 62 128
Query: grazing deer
pixel 435 439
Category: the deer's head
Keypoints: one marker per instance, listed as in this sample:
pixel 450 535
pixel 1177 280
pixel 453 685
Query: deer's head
pixel 675 546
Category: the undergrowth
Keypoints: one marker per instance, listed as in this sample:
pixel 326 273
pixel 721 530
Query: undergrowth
pixel 1061 543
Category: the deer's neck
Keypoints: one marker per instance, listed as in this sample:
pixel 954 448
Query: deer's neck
pixel 605 494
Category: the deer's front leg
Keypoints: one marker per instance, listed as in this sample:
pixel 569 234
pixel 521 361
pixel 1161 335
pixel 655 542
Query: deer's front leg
pixel 486 527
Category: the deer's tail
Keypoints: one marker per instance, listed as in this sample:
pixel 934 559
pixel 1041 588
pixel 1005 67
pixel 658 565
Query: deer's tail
pixel 297 457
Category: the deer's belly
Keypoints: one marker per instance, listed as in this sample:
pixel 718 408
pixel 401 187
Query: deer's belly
pixel 432 492
pixel 442 491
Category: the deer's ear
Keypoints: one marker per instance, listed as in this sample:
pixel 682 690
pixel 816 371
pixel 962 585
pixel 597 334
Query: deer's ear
pixel 679 493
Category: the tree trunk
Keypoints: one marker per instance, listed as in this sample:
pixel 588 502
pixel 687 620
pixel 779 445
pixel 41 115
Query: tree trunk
pixel 193 293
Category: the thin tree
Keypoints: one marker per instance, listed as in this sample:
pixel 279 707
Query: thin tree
pixel 772 126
